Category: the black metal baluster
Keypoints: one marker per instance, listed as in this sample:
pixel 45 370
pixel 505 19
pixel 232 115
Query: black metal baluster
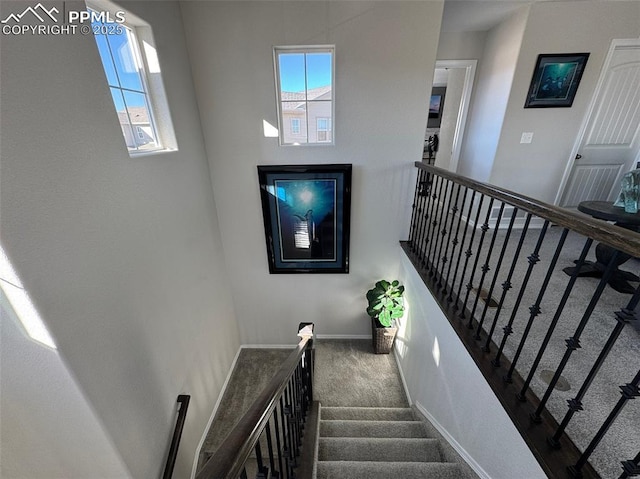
pixel 445 258
pixel 505 243
pixel 292 420
pixel 484 228
pixel 286 435
pixel 631 468
pixel 443 232
pixel 263 472
pixel 533 260
pixel 243 473
pixel 535 308
pixel 456 242
pixel 573 342
pixel 440 232
pixel 468 253
pixel 556 317
pixel 485 267
pixel 426 224
pixel 506 286
pixel 629 391
pixel 280 445
pixel 622 317
pixel 421 203
pixel 414 209
pixel 434 223
pixel 274 472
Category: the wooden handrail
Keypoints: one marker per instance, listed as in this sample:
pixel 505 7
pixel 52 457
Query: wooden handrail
pixel 601 231
pixel 183 400
pixel 228 461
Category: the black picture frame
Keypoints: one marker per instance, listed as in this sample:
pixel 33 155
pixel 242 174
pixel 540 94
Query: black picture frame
pixel 307 215
pixel 555 80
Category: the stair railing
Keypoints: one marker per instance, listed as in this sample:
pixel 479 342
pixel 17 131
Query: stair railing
pixel 483 251
pixel 183 401
pixel 274 421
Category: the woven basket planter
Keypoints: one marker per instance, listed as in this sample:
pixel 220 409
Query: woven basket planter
pixel 382 338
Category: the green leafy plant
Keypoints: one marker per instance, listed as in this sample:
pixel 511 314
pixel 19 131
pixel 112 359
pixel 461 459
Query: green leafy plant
pixel 386 302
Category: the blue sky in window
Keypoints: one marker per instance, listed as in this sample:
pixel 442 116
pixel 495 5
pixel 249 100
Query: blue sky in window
pixel 119 64
pixel 292 70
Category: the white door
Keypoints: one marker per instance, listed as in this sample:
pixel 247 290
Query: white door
pixel 611 140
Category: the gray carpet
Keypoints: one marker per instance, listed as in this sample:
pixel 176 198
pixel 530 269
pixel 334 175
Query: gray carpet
pixel 349 374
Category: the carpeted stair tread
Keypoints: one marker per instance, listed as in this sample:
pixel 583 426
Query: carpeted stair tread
pixel 360 428
pixel 379 449
pixel 368 413
pixel 386 470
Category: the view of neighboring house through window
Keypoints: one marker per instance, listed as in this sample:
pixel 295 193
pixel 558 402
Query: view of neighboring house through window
pixel 123 66
pixel 304 84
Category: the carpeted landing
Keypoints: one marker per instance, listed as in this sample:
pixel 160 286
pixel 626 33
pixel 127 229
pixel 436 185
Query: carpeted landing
pixel 365 426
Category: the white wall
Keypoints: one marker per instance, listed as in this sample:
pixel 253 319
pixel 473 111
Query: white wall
pixel 493 84
pixel 385 53
pixel 49 430
pixel 556 27
pixel 452 391
pixel 122 256
pixel 461 45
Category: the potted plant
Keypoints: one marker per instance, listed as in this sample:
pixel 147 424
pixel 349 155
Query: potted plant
pixel 386 304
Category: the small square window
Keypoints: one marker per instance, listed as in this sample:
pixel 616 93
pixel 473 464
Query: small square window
pixel 304 86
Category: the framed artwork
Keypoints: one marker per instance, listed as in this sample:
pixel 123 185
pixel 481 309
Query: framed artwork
pixel 555 80
pixel 306 211
pixel 435 104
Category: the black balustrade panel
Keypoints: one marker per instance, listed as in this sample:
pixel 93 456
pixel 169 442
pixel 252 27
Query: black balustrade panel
pixel 273 425
pixel 518 282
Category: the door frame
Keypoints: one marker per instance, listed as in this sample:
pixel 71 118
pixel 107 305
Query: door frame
pixel 465 102
pixel 615 43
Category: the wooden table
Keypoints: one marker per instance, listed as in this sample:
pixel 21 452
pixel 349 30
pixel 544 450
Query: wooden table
pixel 619 279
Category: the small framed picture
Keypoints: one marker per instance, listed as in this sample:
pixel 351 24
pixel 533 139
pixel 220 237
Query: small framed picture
pixel 555 80
pixel 306 211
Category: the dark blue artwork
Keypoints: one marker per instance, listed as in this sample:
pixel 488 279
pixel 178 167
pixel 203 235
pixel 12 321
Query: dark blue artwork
pixel 306 214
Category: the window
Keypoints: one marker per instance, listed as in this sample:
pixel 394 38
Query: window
pixel 323 129
pixel 304 86
pixel 128 54
pixel 295 126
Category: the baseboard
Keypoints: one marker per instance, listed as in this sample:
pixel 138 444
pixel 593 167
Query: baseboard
pixel 194 469
pixel 404 383
pixel 343 336
pixel 455 444
pixel 269 346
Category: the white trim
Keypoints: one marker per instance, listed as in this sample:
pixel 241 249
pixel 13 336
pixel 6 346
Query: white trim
pixel 343 336
pixel 269 346
pixel 465 102
pixel 455 444
pixel 404 383
pixel 615 43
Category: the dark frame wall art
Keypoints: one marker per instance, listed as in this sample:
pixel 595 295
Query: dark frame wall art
pixel 307 212
pixel 555 80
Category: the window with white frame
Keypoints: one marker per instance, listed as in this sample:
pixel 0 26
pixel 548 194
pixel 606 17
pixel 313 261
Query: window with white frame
pixel 304 86
pixel 323 129
pixel 127 59
pixel 295 126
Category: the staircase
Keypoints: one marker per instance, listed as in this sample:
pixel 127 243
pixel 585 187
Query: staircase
pixel 377 443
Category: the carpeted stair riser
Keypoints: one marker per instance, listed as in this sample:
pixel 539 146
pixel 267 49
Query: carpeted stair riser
pixel 368 413
pixel 378 449
pixel 387 470
pixel 358 428
pixel 378 443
